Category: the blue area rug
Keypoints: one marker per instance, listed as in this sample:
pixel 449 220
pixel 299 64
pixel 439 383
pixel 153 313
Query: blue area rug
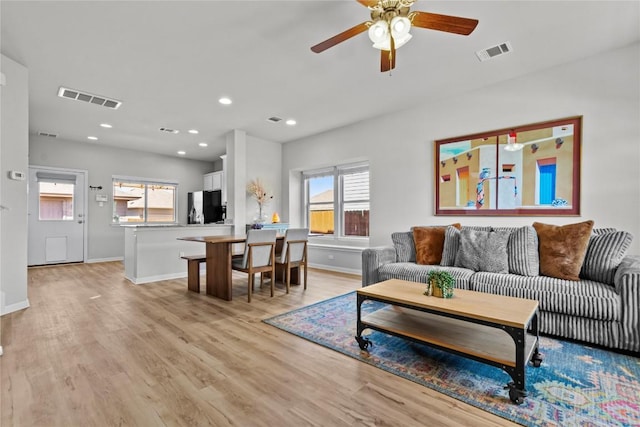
pixel 576 385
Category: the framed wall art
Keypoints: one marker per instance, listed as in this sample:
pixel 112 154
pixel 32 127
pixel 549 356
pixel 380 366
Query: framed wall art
pixel 525 170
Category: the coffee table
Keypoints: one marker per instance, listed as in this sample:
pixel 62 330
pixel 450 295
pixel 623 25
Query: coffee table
pixel 494 329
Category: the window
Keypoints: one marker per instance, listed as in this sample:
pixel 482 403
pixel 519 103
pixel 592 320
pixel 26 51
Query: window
pixel 337 200
pixel 139 200
pixel 55 196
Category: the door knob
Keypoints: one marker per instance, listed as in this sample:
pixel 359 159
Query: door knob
pixel 80 222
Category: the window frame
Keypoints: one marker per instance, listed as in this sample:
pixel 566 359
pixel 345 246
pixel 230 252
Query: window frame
pixel 338 173
pixel 147 182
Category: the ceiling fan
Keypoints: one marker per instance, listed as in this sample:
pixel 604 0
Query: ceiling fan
pixel 389 27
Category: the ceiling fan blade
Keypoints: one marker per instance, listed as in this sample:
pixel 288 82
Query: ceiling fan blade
pixel 388 58
pixel 449 24
pixel 339 38
pixel 368 3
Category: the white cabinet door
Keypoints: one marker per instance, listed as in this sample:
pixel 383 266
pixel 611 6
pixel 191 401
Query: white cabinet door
pixel 208 182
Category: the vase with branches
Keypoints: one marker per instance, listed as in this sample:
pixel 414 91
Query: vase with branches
pixel 261 195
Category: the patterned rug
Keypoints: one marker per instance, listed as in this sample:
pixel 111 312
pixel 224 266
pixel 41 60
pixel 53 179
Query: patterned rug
pixel 576 385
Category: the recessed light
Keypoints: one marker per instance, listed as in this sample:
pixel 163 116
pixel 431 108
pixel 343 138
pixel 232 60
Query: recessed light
pixel 224 101
pixel 193 131
pixel 93 138
pixel 291 122
pixel 106 125
pixel 182 153
pixel 203 144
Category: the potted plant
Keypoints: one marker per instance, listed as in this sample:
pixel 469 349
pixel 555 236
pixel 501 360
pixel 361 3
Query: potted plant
pixel 440 284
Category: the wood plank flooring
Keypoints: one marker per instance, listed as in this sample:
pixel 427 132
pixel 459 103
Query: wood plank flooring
pixel 95 350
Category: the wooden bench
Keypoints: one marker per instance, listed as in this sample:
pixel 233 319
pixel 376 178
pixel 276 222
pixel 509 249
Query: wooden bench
pixel 193 271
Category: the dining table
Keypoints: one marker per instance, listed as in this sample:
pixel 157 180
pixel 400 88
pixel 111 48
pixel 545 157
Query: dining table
pixel 219 254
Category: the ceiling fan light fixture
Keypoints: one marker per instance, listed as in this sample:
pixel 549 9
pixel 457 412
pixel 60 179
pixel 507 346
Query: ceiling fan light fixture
pixel 399 42
pixel 400 26
pixel 379 32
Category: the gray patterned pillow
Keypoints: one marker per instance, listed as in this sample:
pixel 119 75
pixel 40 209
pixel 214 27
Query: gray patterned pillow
pixel 451 245
pixel 522 251
pixel 604 254
pixel 483 251
pixel 405 248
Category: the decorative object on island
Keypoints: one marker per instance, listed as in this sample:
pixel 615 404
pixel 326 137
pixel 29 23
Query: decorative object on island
pixel 440 284
pixel 526 170
pixel 257 190
pixel 275 218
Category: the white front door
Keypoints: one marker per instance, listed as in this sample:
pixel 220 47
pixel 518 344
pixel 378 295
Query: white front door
pixel 56 216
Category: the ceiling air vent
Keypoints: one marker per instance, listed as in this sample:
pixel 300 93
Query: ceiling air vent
pixel 78 95
pixel 274 119
pixel 50 135
pixel 174 131
pixel 492 52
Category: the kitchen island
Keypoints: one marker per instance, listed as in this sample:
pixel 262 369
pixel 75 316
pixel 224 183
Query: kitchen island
pixel 152 252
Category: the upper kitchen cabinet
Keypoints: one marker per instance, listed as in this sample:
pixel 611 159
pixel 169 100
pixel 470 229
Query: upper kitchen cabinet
pixel 213 181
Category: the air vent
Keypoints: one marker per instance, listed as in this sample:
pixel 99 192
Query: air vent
pixel 274 119
pixel 78 95
pixel 49 135
pixel 173 131
pixel 492 52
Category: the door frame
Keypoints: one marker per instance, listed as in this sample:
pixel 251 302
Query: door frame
pixel 85 208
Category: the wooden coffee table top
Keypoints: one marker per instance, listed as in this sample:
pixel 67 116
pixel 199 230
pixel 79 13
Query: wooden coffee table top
pixel 503 310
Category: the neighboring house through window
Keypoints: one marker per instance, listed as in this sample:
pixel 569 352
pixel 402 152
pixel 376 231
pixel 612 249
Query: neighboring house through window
pixel 337 200
pixel 141 200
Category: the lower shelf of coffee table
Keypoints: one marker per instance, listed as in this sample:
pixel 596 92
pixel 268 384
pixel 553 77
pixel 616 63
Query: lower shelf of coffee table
pixel 462 336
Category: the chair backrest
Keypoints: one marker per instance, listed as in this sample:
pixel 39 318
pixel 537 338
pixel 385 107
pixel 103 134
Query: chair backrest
pixel 260 255
pixel 297 249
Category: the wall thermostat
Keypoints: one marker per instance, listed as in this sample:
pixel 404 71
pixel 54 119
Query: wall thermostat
pixel 17 175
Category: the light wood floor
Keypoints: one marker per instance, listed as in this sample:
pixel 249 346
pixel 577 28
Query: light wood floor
pixel 95 350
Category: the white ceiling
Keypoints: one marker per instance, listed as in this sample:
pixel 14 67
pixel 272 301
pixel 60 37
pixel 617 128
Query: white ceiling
pixel 169 62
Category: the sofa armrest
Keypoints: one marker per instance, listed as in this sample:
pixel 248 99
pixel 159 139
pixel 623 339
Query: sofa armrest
pixel 627 283
pixel 374 258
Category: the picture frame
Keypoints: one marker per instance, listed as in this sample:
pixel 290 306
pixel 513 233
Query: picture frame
pixel 529 170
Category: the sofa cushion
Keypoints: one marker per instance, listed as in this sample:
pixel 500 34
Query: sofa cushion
pixel 522 250
pixel 429 242
pixel 452 243
pixel 604 254
pixel 562 248
pixel 483 250
pixel 419 273
pixel 405 248
pixel 584 298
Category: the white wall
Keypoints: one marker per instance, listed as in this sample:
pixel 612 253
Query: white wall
pixel 604 89
pixel 14 146
pixel 106 241
pixel 264 161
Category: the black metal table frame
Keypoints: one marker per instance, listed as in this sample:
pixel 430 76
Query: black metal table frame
pixel 517 391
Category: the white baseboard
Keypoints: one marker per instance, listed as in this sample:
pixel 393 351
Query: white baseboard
pixel 14 307
pixel 150 279
pixel 336 269
pixel 94 260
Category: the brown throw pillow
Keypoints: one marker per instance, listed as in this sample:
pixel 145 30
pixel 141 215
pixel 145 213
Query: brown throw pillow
pixel 563 248
pixel 429 242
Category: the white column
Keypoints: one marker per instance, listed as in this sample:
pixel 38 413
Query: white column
pixel 237 179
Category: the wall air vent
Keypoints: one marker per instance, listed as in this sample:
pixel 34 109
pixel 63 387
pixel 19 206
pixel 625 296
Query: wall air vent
pixel 173 131
pixel 78 95
pixel 49 135
pixel 492 52
pixel 274 119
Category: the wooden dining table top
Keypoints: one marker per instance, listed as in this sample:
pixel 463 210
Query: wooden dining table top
pixel 221 239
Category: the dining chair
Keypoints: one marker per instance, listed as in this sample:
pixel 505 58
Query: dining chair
pixel 258 257
pixel 294 253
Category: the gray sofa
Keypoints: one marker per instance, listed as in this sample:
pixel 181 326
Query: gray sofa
pixel 603 307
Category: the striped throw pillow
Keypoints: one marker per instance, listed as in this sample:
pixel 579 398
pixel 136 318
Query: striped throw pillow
pixel 604 255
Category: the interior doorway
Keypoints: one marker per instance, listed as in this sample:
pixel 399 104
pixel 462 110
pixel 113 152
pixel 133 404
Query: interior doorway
pixel 57 216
